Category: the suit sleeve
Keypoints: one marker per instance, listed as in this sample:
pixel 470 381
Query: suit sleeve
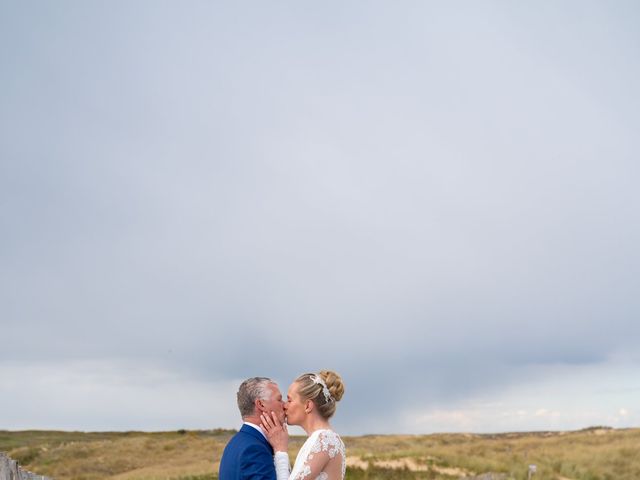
pixel 257 464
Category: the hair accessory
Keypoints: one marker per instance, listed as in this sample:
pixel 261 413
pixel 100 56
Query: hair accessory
pixel 318 381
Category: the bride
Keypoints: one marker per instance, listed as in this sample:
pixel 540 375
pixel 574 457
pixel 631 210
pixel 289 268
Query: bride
pixel 311 401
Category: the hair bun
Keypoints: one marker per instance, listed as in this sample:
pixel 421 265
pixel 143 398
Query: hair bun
pixel 334 383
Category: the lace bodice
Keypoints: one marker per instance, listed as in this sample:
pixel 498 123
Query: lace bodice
pixel 322 457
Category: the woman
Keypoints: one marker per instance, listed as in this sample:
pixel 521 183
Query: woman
pixel 311 402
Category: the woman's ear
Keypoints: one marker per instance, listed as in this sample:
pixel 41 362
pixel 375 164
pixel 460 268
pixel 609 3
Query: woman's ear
pixel 308 407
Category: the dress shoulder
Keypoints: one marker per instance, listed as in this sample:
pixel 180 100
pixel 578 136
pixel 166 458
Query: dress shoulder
pixel 328 441
pixel 321 448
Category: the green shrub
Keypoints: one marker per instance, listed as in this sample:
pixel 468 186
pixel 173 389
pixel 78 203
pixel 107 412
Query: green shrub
pixel 25 455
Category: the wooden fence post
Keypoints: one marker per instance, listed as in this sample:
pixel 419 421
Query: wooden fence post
pixel 10 470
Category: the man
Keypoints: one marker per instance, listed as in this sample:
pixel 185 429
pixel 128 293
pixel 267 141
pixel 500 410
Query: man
pixel 248 455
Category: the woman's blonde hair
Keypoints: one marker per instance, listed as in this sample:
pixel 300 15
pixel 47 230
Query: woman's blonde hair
pixel 311 386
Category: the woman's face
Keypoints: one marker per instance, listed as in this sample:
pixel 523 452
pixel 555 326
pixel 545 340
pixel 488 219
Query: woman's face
pixel 294 408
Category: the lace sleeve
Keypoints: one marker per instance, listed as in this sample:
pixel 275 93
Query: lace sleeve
pixel 323 450
pixel 281 462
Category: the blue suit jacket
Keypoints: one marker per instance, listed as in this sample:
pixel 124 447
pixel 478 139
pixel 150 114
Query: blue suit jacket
pixel 247 456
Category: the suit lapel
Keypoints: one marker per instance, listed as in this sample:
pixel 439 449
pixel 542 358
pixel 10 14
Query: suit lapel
pixel 255 434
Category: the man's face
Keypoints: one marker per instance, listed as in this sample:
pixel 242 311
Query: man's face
pixel 275 403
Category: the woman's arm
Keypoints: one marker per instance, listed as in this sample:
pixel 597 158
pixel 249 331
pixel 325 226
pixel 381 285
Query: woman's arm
pixel 278 437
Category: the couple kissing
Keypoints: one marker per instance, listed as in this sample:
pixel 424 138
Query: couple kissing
pixel 311 402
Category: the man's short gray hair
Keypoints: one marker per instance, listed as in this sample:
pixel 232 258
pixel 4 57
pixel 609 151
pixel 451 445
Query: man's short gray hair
pixel 251 390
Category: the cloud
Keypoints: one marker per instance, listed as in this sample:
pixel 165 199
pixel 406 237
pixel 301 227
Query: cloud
pixel 441 212
pixel 98 395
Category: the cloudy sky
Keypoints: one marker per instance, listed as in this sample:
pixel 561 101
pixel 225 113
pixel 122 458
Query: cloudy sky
pixel 438 200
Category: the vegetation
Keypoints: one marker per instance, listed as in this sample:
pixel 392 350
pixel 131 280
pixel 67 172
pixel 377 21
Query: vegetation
pixel 591 454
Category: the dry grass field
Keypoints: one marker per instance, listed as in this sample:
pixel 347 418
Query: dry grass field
pixel 591 454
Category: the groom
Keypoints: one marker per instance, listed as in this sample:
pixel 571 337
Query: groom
pixel 248 454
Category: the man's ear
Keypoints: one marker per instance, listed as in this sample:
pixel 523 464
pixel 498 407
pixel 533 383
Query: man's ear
pixel 259 405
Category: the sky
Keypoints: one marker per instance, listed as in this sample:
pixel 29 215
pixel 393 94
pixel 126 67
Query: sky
pixel 437 200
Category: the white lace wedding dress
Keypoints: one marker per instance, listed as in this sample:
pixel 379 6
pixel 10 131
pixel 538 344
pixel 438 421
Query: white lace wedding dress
pixel 322 457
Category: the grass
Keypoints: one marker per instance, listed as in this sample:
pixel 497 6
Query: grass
pixel 592 454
